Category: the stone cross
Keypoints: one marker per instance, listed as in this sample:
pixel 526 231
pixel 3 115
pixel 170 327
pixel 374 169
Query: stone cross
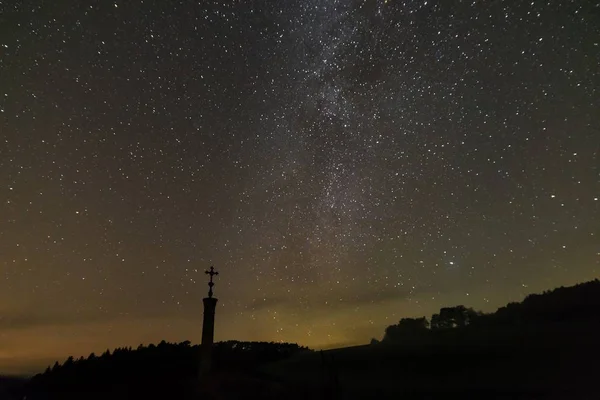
pixel 212 273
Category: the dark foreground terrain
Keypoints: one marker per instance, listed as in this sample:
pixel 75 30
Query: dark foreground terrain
pixel 559 364
pixel 11 385
pixel 545 347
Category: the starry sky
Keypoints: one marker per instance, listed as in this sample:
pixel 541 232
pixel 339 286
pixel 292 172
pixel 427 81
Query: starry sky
pixel 341 163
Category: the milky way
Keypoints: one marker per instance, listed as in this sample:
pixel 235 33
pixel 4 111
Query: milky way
pixel 343 164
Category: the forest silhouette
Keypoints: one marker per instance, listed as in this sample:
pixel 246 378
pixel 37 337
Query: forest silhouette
pixel 558 308
pixel 542 347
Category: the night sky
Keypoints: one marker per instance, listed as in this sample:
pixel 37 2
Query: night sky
pixel 342 164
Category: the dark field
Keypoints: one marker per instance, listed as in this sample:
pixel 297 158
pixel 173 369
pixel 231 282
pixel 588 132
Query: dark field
pixel 559 363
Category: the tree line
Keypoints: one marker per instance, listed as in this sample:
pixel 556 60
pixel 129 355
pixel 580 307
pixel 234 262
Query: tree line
pixel 561 305
pixel 166 369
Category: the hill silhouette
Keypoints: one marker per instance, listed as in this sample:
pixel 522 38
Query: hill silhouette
pixel 162 371
pixel 542 347
pixel 552 311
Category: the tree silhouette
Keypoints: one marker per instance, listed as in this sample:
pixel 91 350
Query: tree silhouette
pixel 563 305
pixel 56 366
pixel 163 371
pixel 453 317
pixel 406 328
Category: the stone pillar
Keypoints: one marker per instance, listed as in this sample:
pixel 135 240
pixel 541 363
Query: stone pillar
pixel 208 334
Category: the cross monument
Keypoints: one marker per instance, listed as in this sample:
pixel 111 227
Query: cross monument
pixel 208 325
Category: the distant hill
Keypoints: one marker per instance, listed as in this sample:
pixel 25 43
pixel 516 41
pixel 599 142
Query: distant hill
pixel 553 311
pixel 544 347
pixel 563 304
pixel 167 370
pixel 500 369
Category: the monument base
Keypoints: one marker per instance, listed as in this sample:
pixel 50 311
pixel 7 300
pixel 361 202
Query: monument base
pixel 208 334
